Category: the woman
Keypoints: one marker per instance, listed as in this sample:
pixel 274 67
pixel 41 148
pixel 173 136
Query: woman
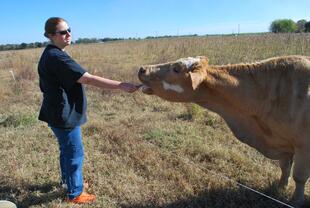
pixel 64 104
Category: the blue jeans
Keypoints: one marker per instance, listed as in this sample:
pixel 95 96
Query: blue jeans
pixel 71 159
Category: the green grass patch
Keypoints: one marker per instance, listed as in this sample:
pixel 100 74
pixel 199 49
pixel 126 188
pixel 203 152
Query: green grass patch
pixel 164 138
pixel 18 120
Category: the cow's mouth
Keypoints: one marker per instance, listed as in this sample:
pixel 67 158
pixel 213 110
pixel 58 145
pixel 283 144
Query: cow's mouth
pixel 145 88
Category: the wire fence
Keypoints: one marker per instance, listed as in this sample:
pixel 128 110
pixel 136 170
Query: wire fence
pixel 226 178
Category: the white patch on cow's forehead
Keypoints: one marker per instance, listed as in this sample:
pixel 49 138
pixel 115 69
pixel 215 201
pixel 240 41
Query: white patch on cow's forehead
pixel 173 87
pixel 188 62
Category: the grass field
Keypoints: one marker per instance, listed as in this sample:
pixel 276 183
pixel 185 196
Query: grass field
pixel 140 151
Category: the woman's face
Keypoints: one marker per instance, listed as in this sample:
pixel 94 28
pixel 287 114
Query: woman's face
pixel 62 36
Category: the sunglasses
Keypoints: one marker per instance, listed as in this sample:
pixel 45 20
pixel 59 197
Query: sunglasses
pixel 64 32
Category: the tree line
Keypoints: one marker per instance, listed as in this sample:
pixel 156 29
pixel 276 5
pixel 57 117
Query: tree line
pixel 289 26
pixel 22 46
pixel 78 41
pixel 43 44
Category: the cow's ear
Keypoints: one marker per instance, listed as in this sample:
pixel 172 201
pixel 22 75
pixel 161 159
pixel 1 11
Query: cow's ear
pixel 197 78
pixel 202 63
pixel 203 59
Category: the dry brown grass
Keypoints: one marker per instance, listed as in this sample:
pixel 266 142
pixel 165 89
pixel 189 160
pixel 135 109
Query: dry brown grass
pixel 141 151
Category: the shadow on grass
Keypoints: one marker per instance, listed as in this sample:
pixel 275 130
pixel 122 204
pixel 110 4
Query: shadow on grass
pixel 238 197
pixel 24 194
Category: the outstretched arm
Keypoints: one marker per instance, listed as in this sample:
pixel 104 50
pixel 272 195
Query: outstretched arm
pixel 106 83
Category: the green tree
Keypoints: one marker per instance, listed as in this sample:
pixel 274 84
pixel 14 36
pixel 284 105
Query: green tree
pixel 38 45
pixel 23 45
pixel 283 26
pixel 301 25
pixel 307 27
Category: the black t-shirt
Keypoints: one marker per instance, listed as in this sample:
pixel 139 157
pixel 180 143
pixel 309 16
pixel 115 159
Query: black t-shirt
pixel 64 101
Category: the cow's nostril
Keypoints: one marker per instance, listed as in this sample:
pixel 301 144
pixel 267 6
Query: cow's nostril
pixel 142 70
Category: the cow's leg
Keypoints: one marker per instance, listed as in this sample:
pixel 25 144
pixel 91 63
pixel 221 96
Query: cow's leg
pixel 301 174
pixel 285 164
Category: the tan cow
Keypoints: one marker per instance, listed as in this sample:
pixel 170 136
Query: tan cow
pixel 265 104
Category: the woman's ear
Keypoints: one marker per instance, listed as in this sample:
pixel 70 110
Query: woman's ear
pixel 47 35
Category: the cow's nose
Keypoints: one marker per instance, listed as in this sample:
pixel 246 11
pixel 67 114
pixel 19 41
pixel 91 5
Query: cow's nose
pixel 142 70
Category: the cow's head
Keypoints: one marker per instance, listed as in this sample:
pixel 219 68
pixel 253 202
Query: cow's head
pixel 177 81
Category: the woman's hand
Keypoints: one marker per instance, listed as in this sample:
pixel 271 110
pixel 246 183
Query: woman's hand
pixel 128 87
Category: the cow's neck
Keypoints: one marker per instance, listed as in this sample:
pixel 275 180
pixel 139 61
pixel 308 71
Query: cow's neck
pixel 230 85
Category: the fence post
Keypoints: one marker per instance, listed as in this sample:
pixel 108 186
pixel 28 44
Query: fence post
pixel 12 73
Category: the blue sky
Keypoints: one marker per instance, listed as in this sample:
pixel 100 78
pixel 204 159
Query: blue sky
pixel 23 20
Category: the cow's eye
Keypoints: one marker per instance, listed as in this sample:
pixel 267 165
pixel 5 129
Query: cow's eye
pixel 176 69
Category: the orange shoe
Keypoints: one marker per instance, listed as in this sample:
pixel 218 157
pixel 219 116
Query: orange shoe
pixel 83 198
